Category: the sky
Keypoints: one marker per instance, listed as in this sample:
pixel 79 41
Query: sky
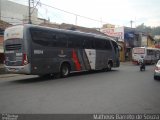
pixel 117 12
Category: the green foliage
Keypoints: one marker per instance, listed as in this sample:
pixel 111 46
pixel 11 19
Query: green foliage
pixel 147 29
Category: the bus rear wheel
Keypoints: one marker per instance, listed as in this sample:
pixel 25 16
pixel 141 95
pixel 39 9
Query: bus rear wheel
pixel 65 70
pixel 109 67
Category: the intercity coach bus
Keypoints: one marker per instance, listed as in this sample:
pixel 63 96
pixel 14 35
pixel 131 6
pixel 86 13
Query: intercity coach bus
pixel 37 50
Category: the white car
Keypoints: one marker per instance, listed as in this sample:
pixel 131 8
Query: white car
pixel 157 70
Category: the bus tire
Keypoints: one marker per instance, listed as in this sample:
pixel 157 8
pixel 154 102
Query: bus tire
pixel 65 70
pixel 109 66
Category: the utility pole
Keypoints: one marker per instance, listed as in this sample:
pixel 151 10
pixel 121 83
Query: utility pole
pixel 29 12
pixel 131 22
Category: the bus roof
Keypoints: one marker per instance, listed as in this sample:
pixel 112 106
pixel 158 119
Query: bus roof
pixel 70 31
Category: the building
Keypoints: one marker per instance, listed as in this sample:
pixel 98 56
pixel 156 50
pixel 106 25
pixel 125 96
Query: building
pixel 3 25
pixel 15 13
pixel 129 38
pixel 157 41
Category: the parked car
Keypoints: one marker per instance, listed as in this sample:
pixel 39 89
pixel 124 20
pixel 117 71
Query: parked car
pixel 157 70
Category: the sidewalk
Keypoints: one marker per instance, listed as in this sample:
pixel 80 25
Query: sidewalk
pixel 2 70
pixel 126 63
pixel 4 74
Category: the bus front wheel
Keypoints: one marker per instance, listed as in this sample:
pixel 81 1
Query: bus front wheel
pixel 65 70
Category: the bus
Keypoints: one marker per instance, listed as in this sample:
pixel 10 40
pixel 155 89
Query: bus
pixel 36 50
pixel 150 55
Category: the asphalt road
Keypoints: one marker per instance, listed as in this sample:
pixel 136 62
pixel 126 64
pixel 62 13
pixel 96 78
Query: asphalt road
pixel 122 90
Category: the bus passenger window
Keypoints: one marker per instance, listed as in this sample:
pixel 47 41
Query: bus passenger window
pixel 108 45
pixel 100 44
pixel 61 40
pixel 88 44
pixel 75 42
pixel 43 38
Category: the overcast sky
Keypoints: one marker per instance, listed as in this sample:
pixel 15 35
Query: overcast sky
pixel 118 12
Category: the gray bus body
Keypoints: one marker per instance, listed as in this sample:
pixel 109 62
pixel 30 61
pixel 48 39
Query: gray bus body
pixel 31 49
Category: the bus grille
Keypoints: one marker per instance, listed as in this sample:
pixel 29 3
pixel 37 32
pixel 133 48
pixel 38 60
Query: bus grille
pixel 13 47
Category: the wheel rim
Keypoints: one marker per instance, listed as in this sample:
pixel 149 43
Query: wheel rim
pixel 65 70
pixel 109 66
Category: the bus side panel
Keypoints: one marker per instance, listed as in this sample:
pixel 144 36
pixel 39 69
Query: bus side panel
pixel 48 60
pixel 45 60
pixel 91 56
pixel 81 63
pixel 101 59
pixel 86 60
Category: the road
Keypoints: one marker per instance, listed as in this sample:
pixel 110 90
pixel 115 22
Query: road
pixel 122 90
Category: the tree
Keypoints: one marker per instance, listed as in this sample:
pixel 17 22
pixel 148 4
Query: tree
pixel 150 30
pixel 144 28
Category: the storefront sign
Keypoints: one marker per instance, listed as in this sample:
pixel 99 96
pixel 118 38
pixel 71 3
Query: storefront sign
pixel 114 32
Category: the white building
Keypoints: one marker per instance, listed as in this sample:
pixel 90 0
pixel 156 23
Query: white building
pixel 15 13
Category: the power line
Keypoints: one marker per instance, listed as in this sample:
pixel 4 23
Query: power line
pixel 77 15
pixel 41 14
pixel 61 10
pixel 34 7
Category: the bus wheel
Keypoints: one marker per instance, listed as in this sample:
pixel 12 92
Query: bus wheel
pixel 65 70
pixel 109 67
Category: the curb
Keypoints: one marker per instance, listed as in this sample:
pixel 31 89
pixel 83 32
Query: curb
pixel 4 74
pixel 126 63
pixel 8 75
pixel 2 71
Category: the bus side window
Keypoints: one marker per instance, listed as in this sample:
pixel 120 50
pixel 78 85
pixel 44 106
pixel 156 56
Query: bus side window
pixel 75 41
pixel 61 40
pixel 44 38
pixel 88 44
pixel 100 44
pixel 115 46
pixel 108 45
pixel 52 40
pixel 79 42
